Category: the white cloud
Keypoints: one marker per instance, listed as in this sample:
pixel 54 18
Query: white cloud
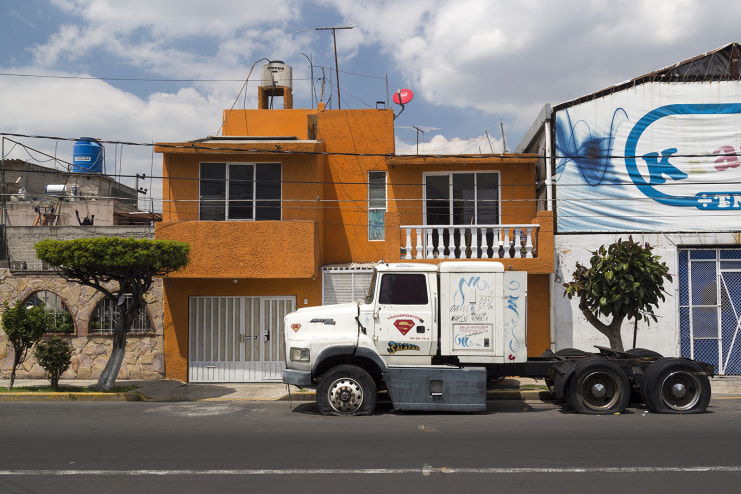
pixel 73 108
pixel 94 107
pixel 170 19
pixel 162 36
pixel 503 58
pixel 511 57
pixel 439 144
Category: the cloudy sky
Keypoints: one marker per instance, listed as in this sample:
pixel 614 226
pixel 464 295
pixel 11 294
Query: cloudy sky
pixel 143 71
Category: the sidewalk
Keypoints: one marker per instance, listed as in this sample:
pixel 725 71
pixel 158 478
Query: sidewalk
pixel 169 390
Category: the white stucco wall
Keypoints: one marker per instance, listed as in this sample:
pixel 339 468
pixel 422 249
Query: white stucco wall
pixel 571 328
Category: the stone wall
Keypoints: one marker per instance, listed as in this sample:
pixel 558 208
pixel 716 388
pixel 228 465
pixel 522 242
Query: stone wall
pixel 21 239
pixel 144 352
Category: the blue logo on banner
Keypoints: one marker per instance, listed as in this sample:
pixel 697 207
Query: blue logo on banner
pixel 660 167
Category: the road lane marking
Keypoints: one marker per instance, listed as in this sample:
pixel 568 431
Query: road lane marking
pixel 426 470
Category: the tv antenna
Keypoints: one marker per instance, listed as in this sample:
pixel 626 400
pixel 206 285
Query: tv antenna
pixel 336 66
pixel 420 130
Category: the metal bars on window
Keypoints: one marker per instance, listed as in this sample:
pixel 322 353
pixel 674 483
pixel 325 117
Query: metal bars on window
pixel 710 307
pixel 376 205
pixel 107 314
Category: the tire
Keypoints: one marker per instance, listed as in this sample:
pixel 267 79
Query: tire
pixel 675 385
pixel 598 387
pixel 643 353
pixel 346 390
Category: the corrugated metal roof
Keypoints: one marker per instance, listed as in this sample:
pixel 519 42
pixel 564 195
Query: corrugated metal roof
pixel 351 266
pixel 717 65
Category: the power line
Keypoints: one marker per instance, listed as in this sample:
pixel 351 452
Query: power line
pixel 148 79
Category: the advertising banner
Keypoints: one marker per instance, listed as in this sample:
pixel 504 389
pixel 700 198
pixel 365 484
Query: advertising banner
pixel 657 157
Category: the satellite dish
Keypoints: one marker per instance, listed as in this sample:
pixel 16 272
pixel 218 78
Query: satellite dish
pixel 403 96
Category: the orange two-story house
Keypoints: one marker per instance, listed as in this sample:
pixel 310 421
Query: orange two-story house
pixel 291 207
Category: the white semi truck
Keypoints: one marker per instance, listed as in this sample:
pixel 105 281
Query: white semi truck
pixel 433 335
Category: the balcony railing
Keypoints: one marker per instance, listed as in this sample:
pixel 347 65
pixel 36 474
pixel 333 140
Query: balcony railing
pixel 469 241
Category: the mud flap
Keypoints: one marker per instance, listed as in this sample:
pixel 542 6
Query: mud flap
pixel 563 372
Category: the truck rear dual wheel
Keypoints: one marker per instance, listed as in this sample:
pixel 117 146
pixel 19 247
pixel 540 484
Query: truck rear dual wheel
pixel 675 385
pixel 346 390
pixel 598 387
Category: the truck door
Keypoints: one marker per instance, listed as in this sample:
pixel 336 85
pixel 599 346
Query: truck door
pixel 405 322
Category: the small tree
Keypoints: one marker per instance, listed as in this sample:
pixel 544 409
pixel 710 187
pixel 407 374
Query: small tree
pixel 24 327
pixel 624 280
pixel 54 356
pixel 116 267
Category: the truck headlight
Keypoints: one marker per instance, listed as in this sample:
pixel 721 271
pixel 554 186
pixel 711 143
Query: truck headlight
pixel 299 355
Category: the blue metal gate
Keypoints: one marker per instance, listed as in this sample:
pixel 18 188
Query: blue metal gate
pixel 710 307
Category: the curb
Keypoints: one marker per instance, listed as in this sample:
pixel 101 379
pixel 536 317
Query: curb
pixel 521 395
pixel 491 395
pixel 72 396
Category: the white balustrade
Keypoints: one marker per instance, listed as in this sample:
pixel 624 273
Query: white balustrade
pixel 470 241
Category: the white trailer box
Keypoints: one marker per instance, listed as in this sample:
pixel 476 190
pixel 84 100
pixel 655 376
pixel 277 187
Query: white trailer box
pixel 482 312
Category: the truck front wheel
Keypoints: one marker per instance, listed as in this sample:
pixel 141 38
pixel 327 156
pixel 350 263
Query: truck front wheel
pixel 346 390
pixel 598 387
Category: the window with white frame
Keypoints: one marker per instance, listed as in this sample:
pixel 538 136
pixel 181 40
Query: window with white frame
pixel 376 205
pixel 462 198
pixel 240 191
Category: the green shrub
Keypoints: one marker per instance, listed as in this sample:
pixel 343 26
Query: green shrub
pixel 24 326
pixel 54 356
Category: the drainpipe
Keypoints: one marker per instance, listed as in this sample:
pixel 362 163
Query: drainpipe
pixel 548 164
pixel 549 207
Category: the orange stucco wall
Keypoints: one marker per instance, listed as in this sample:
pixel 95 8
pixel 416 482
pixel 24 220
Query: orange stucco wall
pixel 516 178
pixel 246 249
pixel 538 314
pixel 298 123
pixel 302 174
pixel 356 132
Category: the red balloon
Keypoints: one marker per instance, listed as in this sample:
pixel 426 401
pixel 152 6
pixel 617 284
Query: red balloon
pixel 403 96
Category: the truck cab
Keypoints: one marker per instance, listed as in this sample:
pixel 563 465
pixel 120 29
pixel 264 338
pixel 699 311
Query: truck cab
pixel 425 315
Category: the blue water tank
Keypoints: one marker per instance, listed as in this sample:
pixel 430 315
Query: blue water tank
pixel 87 156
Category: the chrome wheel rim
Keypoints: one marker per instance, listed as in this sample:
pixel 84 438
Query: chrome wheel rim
pixel 599 391
pixel 680 390
pixel 345 395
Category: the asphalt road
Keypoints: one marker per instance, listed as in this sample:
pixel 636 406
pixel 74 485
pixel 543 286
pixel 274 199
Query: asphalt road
pixel 99 447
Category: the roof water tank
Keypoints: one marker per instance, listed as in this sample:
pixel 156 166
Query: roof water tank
pixel 56 190
pixel 87 156
pixel 276 73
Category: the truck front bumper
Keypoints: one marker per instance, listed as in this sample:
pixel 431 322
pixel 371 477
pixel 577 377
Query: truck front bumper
pixel 297 377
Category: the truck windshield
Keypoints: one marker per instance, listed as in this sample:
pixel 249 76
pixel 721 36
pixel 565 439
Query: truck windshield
pixel 403 289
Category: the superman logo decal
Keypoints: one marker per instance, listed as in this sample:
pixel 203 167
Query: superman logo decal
pixel 404 325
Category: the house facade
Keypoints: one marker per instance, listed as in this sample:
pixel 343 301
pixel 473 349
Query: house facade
pixel 656 158
pixel 44 203
pixel 291 208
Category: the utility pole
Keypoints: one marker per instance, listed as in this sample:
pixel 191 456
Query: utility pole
pixel 336 66
pixel 4 253
pixel 504 143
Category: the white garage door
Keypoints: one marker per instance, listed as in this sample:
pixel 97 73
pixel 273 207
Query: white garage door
pixel 237 339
